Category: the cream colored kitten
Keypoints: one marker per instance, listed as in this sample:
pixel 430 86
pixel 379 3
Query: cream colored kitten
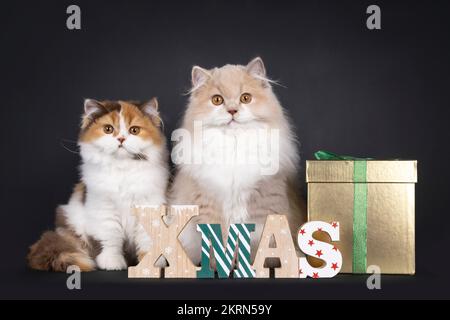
pixel 227 104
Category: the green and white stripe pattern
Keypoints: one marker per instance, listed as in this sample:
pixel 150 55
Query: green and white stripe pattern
pixel 238 236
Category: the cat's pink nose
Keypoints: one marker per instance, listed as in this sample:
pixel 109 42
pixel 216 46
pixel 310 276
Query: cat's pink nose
pixel 232 111
pixel 121 139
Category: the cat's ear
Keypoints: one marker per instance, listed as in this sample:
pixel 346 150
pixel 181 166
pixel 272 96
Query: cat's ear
pixel 92 106
pixel 256 68
pixel 198 77
pixel 150 108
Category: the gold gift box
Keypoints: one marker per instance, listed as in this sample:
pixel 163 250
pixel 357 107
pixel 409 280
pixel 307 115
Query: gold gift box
pixel 390 242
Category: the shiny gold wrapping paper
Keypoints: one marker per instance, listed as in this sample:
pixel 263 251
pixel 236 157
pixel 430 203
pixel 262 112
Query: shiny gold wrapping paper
pixel 390 209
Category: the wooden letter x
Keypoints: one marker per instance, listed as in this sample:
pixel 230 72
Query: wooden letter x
pixel 163 230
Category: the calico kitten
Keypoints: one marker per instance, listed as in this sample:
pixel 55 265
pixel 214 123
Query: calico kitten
pixel 227 101
pixel 124 163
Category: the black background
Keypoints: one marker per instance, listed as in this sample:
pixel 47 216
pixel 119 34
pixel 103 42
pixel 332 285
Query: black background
pixel 381 94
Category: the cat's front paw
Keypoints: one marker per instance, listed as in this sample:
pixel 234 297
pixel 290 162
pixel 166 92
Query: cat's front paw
pixel 111 261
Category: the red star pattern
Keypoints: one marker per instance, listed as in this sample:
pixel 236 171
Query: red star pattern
pixel 311 243
pixel 319 229
pixel 335 248
pixel 334 266
pixel 319 253
pixel 315 275
pixel 302 231
pixel 334 224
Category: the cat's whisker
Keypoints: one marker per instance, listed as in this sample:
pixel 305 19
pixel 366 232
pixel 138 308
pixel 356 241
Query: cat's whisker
pixel 71 151
pixel 277 83
pixel 161 121
pixel 68 140
pixel 271 81
pixel 135 153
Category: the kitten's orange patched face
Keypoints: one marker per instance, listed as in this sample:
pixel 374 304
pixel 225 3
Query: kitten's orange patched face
pixel 120 128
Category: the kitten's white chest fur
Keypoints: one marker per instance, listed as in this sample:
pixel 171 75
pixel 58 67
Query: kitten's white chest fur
pixel 112 187
pixel 125 183
pixel 230 168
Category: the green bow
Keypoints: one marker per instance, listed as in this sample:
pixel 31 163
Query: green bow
pixel 327 155
pixel 359 207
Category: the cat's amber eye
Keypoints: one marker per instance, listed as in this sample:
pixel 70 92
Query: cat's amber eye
pixel 135 130
pixel 108 129
pixel 246 98
pixel 217 99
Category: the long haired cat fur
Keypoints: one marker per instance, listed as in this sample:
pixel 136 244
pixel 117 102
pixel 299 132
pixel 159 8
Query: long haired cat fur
pixel 226 100
pixel 124 163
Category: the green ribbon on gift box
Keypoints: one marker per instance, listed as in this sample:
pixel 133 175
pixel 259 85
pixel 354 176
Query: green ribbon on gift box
pixel 359 207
